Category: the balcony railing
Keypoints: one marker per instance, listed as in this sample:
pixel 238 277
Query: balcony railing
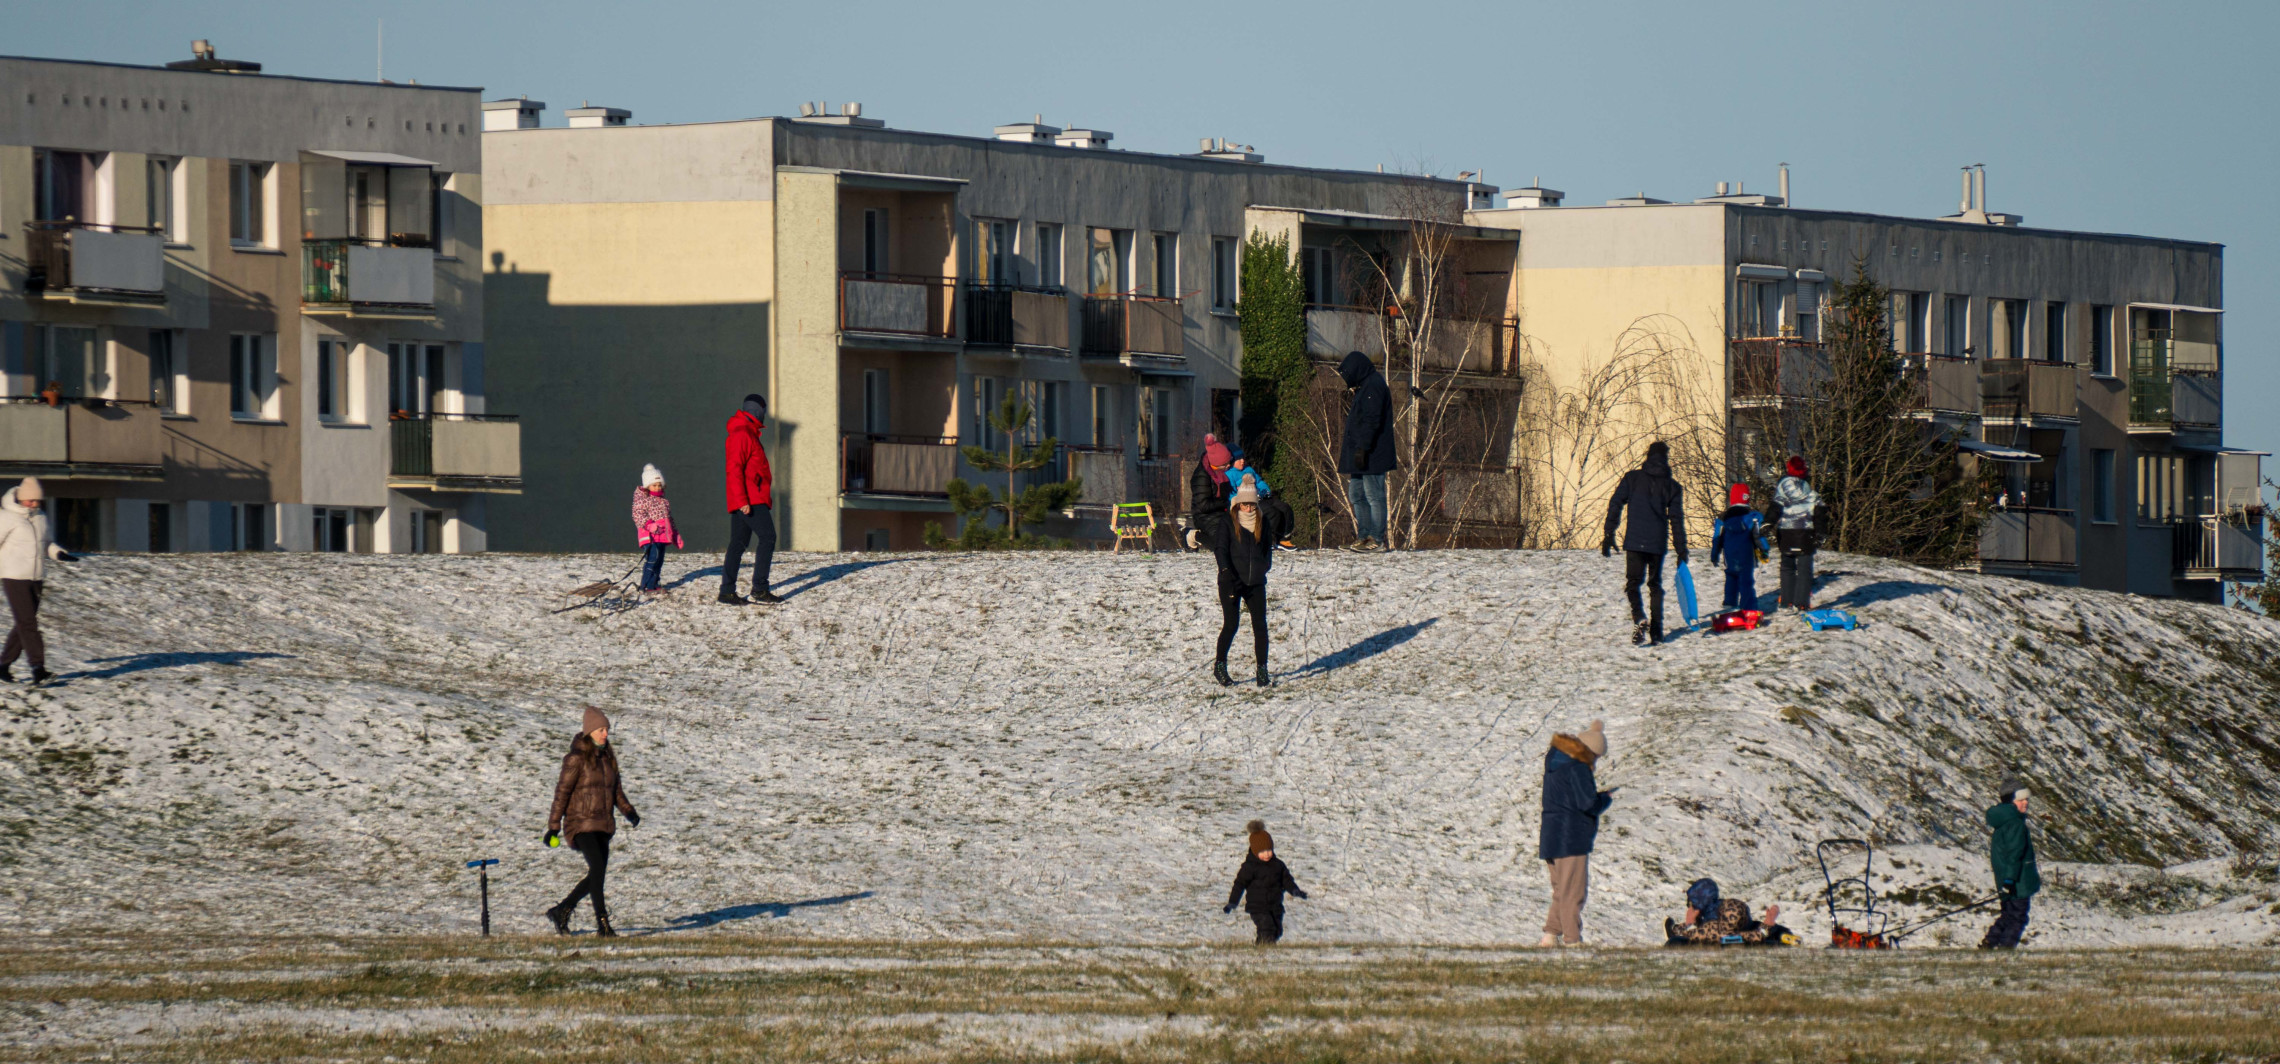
pixel 2174 383
pixel 87 262
pixel 1102 470
pixel 1771 369
pixel 2219 548
pixel 897 304
pixel 1944 383
pixel 456 452
pixel 2019 389
pixel 1134 325
pixel 1453 345
pixel 914 466
pixel 91 439
pixel 1163 482
pixel 1017 316
pixel 2028 538
pixel 356 276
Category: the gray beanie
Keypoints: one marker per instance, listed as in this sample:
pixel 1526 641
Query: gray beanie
pixel 756 406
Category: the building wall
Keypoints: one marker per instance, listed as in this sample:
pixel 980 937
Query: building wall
pixel 803 389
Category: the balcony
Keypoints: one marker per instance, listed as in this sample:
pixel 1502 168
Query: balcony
pixel 1944 384
pixel 897 306
pixel 456 452
pixel 1768 371
pixel 367 279
pixel 80 439
pixel 99 265
pixel 2175 385
pixel 880 472
pixel 1017 317
pixel 2021 538
pixel 1453 345
pixel 2219 548
pixel 2018 389
pixel 1102 470
pixel 1140 331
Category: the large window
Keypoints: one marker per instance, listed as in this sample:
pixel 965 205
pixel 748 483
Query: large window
pixel 2102 341
pixel 1049 255
pixel 64 185
pixel 1166 252
pixel 72 360
pixel 335 529
pixel 161 199
pixel 993 251
pixel 1318 270
pixel 2007 328
pixel 1103 428
pixel 249 204
pixel 415 379
pixel 986 435
pixel 169 372
pixel 336 382
pixel 1957 315
pixel 249 526
pixel 875 415
pixel 1223 272
pixel 1911 322
pixel 2054 331
pixel 2102 486
pixel 1108 261
pixel 253 376
pixel 876 235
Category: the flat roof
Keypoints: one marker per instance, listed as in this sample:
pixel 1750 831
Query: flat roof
pixel 1864 216
pixel 263 76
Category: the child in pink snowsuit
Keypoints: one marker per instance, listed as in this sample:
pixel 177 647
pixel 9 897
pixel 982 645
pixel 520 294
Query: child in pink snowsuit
pixel 653 525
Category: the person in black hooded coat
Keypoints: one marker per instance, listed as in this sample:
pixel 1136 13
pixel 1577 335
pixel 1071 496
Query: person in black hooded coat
pixel 1365 451
pixel 1242 539
pixel 1648 506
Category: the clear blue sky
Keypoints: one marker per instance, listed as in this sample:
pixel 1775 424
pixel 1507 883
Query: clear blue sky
pixel 2154 118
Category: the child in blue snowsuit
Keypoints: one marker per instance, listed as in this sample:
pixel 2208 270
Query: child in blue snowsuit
pixel 1240 470
pixel 1739 536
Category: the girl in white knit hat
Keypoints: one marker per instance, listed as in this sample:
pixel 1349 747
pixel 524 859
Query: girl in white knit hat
pixel 653 526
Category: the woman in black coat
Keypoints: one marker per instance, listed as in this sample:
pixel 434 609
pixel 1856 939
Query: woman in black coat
pixel 1243 540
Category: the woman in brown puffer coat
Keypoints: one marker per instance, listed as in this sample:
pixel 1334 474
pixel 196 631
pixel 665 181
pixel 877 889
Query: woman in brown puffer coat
pixel 588 789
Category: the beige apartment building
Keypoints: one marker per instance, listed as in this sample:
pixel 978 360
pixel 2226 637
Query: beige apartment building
pixel 244 311
pixel 883 288
pixel 2091 366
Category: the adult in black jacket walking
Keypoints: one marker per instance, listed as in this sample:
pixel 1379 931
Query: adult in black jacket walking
pixel 1572 804
pixel 1647 504
pixel 1265 878
pixel 1365 452
pixel 1243 541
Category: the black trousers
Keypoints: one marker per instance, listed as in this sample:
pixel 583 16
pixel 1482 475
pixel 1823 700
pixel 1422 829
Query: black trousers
pixel 759 529
pixel 595 845
pixel 1797 579
pixel 1638 566
pixel 24 639
pixel 1269 924
pixel 2009 924
pixel 1234 597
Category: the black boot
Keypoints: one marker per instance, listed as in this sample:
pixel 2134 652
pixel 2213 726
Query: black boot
pixel 602 928
pixel 1658 636
pixel 560 917
pixel 1219 672
pixel 7 674
pixel 1264 679
pixel 40 675
pixel 731 598
pixel 1638 633
pixel 766 597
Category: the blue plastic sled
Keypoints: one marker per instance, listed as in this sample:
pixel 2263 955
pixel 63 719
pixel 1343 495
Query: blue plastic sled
pixel 1687 607
pixel 1823 620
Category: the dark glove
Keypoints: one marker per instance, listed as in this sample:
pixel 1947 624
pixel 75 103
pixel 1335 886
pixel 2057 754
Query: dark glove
pixel 1227 908
pixel 553 838
pixel 1361 460
pixel 67 556
pixel 2009 889
pixel 1607 548
pixel 1682 557
pixel 1301 894
pixel 633 818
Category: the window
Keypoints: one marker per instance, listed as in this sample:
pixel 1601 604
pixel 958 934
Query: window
pixel 333 380
pixel 249 526
pixel 2102 341
pixel 1049 255
pixel 333 531
pixel 1049 404
pixel 249 204
pixel 2162 489
pixel 1166 251
pixel 159 198
pixel 432 394
pixel 993 251
pixel 1108 261
pixel 415 383
pixel 253 376
pixel 70 358
pixel 1156 428
pixel 2102 486
pixel 1807 313
pixel 1102 435
pixel 2054 331
pixel 875 419
pixel 985 403
pixel 1958 314
pixel 2007 327
pixel 1223 273
pixel 161 528
pixel 875 235
pixel 440 221
pixel 1317 268
pixel 169 372
pixel 64 185
pixel 1911 322
pixel 426 535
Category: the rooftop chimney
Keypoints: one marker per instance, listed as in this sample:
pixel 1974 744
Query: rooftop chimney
pixel 1535 195
pixel 1083 138
pixel 202 58
pixel 1034 131
pixel 519 113
pixel 1974 209
pixel 1785 184
pixel 1225 150
pixel 588 116
pixel 850 114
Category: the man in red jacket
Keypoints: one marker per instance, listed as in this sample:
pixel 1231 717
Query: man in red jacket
pixel 748 499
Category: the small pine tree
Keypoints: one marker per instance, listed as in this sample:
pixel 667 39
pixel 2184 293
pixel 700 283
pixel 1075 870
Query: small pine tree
pixel 1276 371
pixel 972 502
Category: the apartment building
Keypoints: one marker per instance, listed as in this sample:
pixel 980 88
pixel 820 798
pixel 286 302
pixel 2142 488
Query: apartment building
pixel 884 288
pixel 2089 366
pixel 243 311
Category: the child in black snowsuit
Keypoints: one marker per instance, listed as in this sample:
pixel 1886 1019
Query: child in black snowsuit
pixel 1738 536
pixel 1266 879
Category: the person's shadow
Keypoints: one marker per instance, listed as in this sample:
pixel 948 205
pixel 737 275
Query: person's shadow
pixel 1365 649
pixel 774 910
pixel 132 663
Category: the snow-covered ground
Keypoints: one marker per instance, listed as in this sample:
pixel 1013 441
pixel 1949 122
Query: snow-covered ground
pixel 1029 746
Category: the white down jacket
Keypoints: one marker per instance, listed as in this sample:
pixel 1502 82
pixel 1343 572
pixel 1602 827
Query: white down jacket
pixel 25 545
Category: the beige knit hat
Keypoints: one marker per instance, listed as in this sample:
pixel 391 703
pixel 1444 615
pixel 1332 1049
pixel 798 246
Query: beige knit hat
pixel 1594 738
pixel 1248 493
pixel 595 721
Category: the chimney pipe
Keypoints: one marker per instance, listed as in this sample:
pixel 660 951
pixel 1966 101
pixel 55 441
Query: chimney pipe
pixel 1965 205
pixel 1980 193
pixel 1721 188
pixel 1785 184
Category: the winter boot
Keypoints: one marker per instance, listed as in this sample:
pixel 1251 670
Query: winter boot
pixel 766 597
pixel 7 674
pixel 1219 673
pixel 1638 633
pixel 731 598
pixel 560 918
pixel 602 928
pixel 1264 679
pixel 1658 636
pixel 40 675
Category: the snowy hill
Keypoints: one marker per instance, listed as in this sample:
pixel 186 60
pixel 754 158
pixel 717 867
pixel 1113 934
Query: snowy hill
pixel 1029 746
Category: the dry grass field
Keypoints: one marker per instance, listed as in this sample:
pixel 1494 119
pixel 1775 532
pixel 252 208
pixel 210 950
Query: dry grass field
pixel 718 996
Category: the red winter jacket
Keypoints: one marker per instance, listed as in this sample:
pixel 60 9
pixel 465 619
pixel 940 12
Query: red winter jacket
pixel 748 478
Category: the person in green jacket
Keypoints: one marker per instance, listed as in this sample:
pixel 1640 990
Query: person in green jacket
pixel 2012 853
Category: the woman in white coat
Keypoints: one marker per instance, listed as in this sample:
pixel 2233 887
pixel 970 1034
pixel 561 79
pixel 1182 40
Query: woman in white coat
pixel 25 548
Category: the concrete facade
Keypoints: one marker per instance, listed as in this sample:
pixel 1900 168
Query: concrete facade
pixel 239 182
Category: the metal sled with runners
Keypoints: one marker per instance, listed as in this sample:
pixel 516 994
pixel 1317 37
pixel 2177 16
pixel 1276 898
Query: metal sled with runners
pixel 608 596
pixel 1875 930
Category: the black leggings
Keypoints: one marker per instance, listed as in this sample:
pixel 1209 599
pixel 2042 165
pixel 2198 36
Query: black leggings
pixel 24 639
pixel 596 846
pixel 1269 924
pixel 1233 598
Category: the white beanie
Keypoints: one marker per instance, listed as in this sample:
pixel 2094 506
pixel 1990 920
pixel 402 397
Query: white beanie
pixel 651 475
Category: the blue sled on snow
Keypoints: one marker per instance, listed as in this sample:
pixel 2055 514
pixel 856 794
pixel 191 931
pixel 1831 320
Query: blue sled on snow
pixel 1688 606
pixel 1823 620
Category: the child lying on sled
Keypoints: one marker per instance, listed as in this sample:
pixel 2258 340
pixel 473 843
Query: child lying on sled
pixel 1712 921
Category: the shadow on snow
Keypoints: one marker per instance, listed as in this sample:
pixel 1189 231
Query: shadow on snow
pixel 1364 650
pixel 145 662
pixel 774 910
pixel 784 587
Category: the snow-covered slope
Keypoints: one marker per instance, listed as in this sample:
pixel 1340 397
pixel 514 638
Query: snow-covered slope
pixel 992 746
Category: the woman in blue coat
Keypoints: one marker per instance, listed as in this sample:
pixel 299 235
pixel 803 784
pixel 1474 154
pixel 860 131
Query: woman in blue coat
pixel 1572 804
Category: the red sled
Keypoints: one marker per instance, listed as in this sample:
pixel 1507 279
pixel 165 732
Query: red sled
pixel 1735 621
